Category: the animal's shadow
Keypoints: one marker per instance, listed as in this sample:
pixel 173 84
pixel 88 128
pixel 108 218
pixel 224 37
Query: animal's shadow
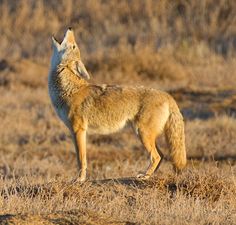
pixel 124 181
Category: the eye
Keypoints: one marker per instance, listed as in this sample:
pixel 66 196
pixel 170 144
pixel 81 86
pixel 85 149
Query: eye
pixel 73 46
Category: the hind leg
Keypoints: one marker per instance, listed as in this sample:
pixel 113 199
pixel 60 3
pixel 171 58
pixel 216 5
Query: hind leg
pixel 149 142
pixel 150 124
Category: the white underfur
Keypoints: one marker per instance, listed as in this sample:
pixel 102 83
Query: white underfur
pixel 55 60
pixel 53 92
pixel 107 129
pixel 163 113
pixel 63 115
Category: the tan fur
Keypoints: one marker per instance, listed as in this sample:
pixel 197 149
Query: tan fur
pixel 105 109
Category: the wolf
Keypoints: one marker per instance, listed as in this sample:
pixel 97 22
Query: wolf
pixel 103 109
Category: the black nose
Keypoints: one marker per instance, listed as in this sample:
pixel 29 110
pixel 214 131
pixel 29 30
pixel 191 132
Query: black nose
pixel 70 28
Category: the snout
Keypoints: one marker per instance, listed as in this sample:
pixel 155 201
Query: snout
pixel 69 37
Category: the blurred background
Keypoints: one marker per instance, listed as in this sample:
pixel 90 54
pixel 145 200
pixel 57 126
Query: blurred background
pixel 100 25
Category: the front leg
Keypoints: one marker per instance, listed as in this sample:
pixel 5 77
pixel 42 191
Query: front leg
pixel 80 147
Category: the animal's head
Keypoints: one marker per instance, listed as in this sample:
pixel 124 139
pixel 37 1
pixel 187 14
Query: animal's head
pixel 68 52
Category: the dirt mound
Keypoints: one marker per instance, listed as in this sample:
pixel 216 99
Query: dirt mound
pixel 129 192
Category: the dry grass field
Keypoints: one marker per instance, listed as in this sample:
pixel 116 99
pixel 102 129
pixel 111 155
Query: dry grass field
pixel 184 47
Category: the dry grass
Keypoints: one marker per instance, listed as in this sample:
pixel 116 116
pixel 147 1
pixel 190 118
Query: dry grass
pixel 102 24
pixel 203 194
pixel 185 47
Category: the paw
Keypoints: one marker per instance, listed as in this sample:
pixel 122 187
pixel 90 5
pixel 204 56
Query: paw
pixel 80 179
pixel 143 176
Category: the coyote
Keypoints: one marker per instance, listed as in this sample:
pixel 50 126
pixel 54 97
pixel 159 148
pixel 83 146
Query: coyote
pixel 104 109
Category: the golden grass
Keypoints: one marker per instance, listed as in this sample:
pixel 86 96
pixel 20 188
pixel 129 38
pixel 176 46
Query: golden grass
pixel 202 193
pixel 185 47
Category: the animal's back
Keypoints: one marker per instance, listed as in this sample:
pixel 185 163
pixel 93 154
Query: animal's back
pixel 107 109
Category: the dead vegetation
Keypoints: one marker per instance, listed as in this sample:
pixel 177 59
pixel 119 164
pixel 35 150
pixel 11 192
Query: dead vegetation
pixel 184 47
pixel 201 191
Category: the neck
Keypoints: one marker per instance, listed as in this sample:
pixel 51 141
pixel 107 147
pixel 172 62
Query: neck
pixel 68 79
pixel 65 81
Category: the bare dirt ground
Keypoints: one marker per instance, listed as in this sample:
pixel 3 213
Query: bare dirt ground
pixel 37 161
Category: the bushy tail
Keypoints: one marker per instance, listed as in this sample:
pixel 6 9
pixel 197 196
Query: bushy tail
pixel 174 132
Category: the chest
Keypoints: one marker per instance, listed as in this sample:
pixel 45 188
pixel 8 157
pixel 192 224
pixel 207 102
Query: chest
pixel 58 102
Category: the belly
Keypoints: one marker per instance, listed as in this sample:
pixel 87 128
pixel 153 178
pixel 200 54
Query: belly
pixel 106 128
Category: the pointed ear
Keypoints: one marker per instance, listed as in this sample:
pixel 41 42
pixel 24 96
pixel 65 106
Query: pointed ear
pixel 79 69
pixel 55 44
